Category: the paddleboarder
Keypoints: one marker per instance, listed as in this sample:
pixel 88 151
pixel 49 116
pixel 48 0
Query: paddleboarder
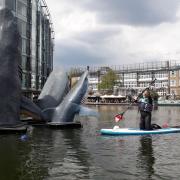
pixel 145 108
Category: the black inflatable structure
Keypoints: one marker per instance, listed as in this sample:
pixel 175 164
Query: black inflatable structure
pixel 10 85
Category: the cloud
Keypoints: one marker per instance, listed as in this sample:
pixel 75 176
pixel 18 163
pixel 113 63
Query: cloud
pixel 115 32
pixel 76 53
pixel 136 12
pixel 91 47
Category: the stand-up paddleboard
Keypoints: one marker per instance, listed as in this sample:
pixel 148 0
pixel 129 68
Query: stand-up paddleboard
pixel 136 131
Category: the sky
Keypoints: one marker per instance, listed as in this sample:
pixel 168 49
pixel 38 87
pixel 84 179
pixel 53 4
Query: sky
pixel 115 32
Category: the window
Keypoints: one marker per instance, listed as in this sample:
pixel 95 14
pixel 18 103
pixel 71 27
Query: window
pixel 33 65
pixel 173 83
pixel 11 4
pixel 23 63
pixel 33 81
pixel 23 80
pixel 173 73
pixel 173 92
pixel 22 27
pixel 33 49
pixel 23 45
pixel 21 8
pixel 1 4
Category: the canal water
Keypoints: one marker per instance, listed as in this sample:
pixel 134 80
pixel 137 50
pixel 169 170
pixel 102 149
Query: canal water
pixel 85 154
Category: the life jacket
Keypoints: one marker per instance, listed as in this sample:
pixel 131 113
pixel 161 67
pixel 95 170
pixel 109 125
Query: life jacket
pixel 145 104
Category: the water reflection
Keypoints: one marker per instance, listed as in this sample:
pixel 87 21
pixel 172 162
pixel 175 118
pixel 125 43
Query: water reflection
pixel 16 160
pixel 62 153
pixel 48 154
pixel 9 158
pixel 84 154
pixel 67 155
pixel 146 158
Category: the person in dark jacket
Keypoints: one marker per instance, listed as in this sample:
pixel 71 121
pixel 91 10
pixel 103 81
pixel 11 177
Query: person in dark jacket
pixel 145 108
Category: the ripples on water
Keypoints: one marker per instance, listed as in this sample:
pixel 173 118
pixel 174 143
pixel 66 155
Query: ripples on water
pixel 85 154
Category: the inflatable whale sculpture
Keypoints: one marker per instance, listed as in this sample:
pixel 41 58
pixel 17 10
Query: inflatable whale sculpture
pixel 57 105
pixel 52 94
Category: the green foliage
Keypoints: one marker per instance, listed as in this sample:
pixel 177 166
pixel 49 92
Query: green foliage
pixel 154 95
pixel 108 81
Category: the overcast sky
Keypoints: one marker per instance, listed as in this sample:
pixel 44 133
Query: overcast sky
pixel 115 32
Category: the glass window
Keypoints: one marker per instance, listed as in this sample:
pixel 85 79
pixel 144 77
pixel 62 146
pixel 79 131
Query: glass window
pixel 22 9
pixel 1 4
pixel 23 63
pixel 25 1
pixel 28 64
pixel 173 73
pixel 23 45
pixel 173 82
pixel 33 65
pixel 28 49
pixel 11 4
pixel 33 81
pixel 22 27
pixel 33 49
pixel 23 83
pixel 25 80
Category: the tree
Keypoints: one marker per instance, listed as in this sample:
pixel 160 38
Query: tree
pixel 154 95
pixel 108 81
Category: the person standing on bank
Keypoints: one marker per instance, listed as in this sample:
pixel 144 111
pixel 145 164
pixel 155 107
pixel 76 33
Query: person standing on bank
pixel 145 108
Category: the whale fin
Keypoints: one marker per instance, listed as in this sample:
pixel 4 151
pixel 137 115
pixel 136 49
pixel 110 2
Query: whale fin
pixel 70 106
pixel 85 111
pixel 54 90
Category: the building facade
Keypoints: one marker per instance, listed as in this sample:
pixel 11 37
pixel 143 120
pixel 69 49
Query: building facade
pixel 35 26
pixel 174 77
pixel 139 76
pixel 136 77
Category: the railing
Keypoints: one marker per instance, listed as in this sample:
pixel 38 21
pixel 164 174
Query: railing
pixel 131 68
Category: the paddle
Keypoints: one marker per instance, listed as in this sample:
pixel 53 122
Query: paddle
pixel 119 117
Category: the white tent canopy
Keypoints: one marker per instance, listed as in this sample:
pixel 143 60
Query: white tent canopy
pixel 112 96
